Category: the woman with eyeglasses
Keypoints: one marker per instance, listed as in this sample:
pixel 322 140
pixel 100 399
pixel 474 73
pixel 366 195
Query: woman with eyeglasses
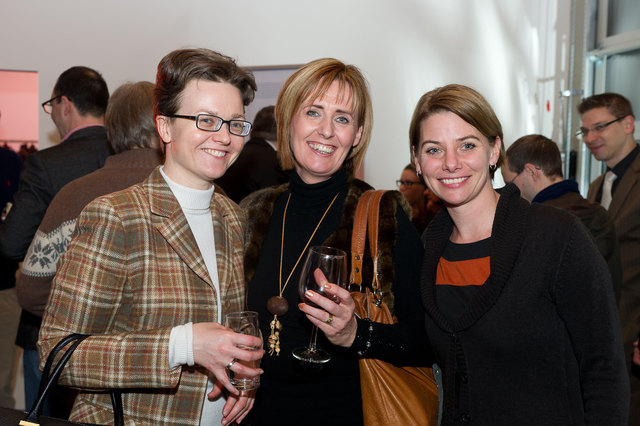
pixel 152 269
pixel 324 120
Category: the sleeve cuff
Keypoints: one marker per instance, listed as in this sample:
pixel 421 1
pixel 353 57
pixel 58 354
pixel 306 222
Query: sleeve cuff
pixel 364 336
pixel 181 346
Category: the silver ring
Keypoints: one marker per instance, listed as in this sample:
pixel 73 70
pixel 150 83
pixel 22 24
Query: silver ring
pixel 233 361
pixel 330 319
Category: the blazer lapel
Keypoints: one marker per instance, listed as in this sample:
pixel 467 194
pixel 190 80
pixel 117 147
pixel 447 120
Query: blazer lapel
pixel 594 188
pixel 172 224
pixel 624 188
pixel 223 249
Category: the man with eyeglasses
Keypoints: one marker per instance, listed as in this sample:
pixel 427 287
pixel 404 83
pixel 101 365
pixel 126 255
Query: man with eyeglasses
pixel 607 130
pixel 533 163
pixel 77 107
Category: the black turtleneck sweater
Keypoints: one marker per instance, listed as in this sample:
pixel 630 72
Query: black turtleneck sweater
pixel 284 396
pixel 291 393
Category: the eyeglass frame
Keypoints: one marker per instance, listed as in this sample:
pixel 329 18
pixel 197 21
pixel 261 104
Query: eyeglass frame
pixel 222 121
pixel 49 103
pixel 407 183
pixel 597 129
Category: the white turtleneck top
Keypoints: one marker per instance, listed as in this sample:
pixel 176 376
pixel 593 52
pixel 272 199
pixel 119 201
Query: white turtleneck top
pixel 196 206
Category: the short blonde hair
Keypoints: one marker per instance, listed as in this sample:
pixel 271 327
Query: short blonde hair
pixel 310 82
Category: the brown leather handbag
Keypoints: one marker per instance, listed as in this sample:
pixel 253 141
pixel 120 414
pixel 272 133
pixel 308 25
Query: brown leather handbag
pixel 391 395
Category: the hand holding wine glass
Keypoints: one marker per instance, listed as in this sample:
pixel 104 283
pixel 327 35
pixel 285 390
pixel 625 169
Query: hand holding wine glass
pixel 244 322
pixel 333 264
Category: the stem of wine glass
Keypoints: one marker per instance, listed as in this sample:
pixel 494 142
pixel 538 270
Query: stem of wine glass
pixel 312 341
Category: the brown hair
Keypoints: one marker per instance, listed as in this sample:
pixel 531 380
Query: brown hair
pixel 129 119
pixel 310 82
pixel 464 102
pixel 616 104
pixel 181 66
pixel 537 150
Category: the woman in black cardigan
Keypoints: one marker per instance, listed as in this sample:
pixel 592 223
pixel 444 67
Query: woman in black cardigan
pixel 520 312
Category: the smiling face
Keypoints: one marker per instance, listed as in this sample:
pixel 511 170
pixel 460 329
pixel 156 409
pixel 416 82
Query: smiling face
pixel 612 143
pixel 194 157
pixel 323 131
pixel 454 158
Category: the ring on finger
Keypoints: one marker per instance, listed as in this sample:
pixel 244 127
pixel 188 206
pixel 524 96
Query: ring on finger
pixel 233 361
pixel 330 319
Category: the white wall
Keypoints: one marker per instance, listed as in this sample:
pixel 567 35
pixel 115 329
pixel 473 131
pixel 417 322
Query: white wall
pixel 514 52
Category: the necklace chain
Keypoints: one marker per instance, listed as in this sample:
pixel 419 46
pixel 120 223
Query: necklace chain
pixel 275 325
pixel 284 216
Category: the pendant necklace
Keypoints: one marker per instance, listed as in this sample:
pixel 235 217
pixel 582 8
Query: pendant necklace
pixel 278 305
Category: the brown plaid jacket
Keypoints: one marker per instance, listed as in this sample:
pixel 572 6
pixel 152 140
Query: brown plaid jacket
pixel 132 272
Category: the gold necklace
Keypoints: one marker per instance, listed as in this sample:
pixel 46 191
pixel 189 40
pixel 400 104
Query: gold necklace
pixel 278 305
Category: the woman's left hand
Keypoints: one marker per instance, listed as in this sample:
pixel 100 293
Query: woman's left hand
pixel 336 320
pixel 237 406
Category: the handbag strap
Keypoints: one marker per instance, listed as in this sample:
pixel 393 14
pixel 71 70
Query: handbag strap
pixel 49 379
pixel 367 218
pixel 358 236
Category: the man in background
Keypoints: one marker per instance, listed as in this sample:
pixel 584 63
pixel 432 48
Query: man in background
pixel 607 130
pixel 257 165
pixel 533 163
pixel 134 140
pixel 77 106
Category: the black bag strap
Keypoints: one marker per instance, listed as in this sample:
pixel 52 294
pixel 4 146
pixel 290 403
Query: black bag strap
pixel 49 379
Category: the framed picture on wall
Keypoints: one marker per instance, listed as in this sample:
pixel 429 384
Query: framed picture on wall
pixel 269 80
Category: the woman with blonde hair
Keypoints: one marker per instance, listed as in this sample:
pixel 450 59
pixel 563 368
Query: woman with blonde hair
pixel 324 119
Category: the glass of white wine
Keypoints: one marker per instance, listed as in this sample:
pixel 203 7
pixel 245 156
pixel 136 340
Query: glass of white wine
pixel 244 322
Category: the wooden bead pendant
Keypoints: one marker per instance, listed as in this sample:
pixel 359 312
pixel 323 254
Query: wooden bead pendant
pixel 277 305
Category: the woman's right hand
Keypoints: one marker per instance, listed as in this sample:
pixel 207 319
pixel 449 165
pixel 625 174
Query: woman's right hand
pixel 336 320
pixel 215 346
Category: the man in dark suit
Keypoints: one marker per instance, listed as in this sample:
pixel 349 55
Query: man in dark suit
pixel 533 163
pixel 77 106
pixel 607 130
pixel 257 165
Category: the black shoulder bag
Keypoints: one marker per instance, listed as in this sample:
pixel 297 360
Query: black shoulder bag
pixel 33 417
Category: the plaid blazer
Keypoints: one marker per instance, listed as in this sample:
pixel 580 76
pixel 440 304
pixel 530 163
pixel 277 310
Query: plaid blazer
pixel 131 273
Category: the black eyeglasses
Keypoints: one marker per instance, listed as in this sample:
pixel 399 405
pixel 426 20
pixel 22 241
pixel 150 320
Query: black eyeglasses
pixel 213 123
pixel 48 105
pixel 597 129
pixel 407 183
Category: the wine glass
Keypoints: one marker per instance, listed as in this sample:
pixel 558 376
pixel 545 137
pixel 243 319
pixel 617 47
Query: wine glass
pixel 244 322
pixel 333 263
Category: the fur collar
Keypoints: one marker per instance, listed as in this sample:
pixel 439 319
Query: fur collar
pixel 259 207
